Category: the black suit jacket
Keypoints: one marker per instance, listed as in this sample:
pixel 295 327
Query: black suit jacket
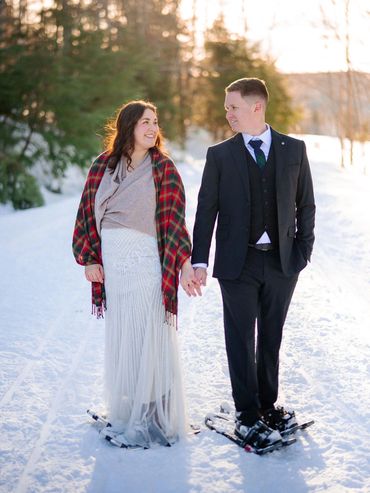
pixel 224 194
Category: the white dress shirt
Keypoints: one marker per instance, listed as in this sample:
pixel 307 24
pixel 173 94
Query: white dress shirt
pixel 266 138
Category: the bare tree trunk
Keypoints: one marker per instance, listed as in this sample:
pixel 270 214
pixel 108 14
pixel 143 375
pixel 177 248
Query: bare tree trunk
pixel 138 13
pixel 348 99
pixel 66 27
pixel 342 151
pixel 22 12
pixel 364 160
pixel 244 16
pixel 193 25
pixel 350 95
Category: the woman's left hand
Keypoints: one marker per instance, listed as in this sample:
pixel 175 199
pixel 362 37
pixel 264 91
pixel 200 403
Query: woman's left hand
pixel 188 281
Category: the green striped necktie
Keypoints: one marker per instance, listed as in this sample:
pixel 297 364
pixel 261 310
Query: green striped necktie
pixel 260 156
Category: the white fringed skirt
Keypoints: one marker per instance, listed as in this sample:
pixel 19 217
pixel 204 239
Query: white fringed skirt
pixel 143 389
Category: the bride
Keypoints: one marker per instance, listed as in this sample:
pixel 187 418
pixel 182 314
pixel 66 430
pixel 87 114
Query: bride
pixel 131 236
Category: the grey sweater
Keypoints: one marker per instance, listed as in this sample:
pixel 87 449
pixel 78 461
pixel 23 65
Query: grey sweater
pixel 126 199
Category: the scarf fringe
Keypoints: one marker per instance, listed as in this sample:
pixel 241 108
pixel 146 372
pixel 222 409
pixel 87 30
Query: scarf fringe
pixel 170 305
pixel 171 319
pixel 98 311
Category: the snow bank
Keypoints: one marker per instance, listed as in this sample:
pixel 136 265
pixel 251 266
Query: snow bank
pixel 52 360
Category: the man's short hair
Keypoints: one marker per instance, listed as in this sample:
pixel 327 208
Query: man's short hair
pixel 249 86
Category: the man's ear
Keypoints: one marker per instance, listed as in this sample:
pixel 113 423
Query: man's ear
pixel 258 106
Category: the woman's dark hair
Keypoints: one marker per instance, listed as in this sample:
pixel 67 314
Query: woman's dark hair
pixel 120 139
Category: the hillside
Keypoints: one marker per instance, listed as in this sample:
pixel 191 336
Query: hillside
pixel 322 98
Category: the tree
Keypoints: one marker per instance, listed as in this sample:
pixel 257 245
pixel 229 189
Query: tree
pixel 228 58
pixel 347 111
pixel 63 73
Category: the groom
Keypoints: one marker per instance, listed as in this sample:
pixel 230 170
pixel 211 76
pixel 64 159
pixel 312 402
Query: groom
pixel 258 185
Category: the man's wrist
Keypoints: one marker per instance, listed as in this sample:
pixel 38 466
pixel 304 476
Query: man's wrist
pixel 200 266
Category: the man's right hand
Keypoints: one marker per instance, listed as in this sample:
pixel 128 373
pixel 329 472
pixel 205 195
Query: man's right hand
pixel 94 273
pixel 201 275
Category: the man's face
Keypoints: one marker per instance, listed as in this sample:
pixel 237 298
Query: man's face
pixel 240 112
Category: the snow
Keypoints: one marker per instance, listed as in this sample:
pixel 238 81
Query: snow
pixel 52 359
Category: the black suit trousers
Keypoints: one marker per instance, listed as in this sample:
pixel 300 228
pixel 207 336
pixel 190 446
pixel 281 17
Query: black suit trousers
pixel 260 296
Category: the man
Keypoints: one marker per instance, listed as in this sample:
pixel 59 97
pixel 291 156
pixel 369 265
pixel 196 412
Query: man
pixel 258 185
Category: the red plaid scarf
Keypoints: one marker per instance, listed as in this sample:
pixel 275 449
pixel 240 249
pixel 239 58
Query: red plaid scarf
pixel 172 236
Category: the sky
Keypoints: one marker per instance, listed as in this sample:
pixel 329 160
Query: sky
pixel 292 31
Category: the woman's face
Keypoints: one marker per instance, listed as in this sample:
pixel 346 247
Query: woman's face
pixel 146 130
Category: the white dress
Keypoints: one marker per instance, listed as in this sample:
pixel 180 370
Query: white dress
pixel 143 389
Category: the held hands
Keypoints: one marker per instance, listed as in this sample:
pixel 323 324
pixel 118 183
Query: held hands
pixel 188 280
pixel 94 273
pixel 201 275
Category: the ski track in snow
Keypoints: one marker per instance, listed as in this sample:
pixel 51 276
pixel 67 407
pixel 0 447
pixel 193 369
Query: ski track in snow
pixel 52 362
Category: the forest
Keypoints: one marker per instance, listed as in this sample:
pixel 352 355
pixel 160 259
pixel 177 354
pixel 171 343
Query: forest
pixel 66 66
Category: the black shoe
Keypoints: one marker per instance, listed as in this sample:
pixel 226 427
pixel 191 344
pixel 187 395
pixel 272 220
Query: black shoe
pixel 279 419
pixel 258 436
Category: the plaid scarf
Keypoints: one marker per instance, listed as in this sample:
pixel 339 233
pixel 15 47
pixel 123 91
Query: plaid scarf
pixel 172 236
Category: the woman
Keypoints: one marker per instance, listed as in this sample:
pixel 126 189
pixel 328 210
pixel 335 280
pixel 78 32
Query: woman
pixel 130 235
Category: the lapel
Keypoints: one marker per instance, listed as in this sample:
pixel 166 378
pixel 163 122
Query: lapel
pixel 238 151
pixel 280 146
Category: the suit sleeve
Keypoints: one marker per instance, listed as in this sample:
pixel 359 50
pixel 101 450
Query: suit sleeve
pixel 206 211
pixel 305 208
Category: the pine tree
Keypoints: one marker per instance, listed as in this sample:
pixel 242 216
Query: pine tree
pixel 228 58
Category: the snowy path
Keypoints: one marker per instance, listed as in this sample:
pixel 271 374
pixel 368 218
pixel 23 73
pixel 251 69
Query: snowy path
pixel 51 353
